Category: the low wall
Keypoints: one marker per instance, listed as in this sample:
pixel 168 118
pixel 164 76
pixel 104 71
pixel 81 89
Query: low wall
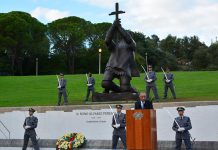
pixel 106 144
pixel 104 105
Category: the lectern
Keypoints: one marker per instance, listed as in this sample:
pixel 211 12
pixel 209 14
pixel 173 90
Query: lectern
pixel 141 129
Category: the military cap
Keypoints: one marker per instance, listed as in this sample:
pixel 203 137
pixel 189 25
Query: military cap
pixel 61 74
pixel 119 106
pixel 32 110
pixel 180 108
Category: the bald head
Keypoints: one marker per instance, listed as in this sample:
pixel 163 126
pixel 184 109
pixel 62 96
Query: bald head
pixel 142 96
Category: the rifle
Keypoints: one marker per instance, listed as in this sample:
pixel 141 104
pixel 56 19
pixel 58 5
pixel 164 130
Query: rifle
pixel 59 85
pixel 164 73
pixel 145 72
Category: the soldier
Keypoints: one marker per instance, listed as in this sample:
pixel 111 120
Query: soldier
pixel 181 126
pixel 90 86
pixel 62 89
pixel 143 103
pixel 29 125
pixel 168 79
pixel 119 125
pixel 150 83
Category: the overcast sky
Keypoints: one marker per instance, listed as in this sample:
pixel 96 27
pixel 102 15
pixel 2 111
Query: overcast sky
pixel 160 17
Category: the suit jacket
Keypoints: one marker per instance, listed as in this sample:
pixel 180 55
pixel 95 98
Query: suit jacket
pixel 122 121
pixel 185 122
pixel 147 104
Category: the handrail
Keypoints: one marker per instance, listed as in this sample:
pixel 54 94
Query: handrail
pixel 9 133
pixel 3 134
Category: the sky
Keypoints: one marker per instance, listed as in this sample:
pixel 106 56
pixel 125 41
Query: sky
pixel 161 17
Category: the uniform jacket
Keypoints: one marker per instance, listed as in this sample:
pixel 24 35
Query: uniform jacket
pixel 184 122
pixel 169 77
pixel 151 75
pixel 32 122
pixel 122 121
pixel 91 80
pixel 63 83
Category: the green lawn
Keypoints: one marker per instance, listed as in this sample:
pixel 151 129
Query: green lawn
pixel 42 90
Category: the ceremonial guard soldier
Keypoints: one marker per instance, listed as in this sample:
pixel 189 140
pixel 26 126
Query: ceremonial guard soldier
pixel 181 126
pixel 90 86
pixel 29 125
pixel 62 83
pixel 168 80
pixel 150 83
pixel 119 125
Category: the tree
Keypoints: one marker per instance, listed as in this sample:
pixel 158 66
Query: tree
pixel 21 37
pixel 67 36
pixel 213 51
pixel 201 59
pixel 169 44
pixel 96 41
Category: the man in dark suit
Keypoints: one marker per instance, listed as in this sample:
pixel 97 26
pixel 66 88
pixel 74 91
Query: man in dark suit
pixel 143 103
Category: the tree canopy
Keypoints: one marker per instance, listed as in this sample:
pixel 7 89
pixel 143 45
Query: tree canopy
pixel 71 45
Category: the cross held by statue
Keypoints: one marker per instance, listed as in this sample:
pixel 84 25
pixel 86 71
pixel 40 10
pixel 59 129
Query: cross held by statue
pixel 117 11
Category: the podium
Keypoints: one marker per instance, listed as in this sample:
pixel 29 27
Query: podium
pixel 141 129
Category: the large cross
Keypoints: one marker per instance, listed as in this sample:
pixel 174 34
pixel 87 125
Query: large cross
pixel 117 11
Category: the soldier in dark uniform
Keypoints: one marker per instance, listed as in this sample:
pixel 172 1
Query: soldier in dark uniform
pixel 29 125
pixel 150 84
pixel 181 126
pixel 90 86
pixel 169 83
pixel 142 103
pixel 121 63
pixel 62 83
pixel 119 127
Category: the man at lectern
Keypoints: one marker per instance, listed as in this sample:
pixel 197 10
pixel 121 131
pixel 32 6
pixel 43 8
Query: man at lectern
pixel 181 126
pixel 119 125
pixel 142 103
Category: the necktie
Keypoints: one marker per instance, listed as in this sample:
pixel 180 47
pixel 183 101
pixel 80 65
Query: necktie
pixel 142 105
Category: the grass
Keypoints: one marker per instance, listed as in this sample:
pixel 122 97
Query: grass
pixel 42 90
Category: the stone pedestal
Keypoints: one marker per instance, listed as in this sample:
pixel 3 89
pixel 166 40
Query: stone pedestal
pixel 126 96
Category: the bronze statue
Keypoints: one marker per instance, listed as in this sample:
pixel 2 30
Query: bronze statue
pixel 121 63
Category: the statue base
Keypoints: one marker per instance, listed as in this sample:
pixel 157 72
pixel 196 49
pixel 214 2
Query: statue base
pixel 104 97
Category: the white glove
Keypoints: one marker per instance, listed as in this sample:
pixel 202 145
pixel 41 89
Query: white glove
pixel 27 127
pixel 149 80
pixel 168 81
pixel 89 84
pixel 116 126
pixel 59 87
pixel 181 129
